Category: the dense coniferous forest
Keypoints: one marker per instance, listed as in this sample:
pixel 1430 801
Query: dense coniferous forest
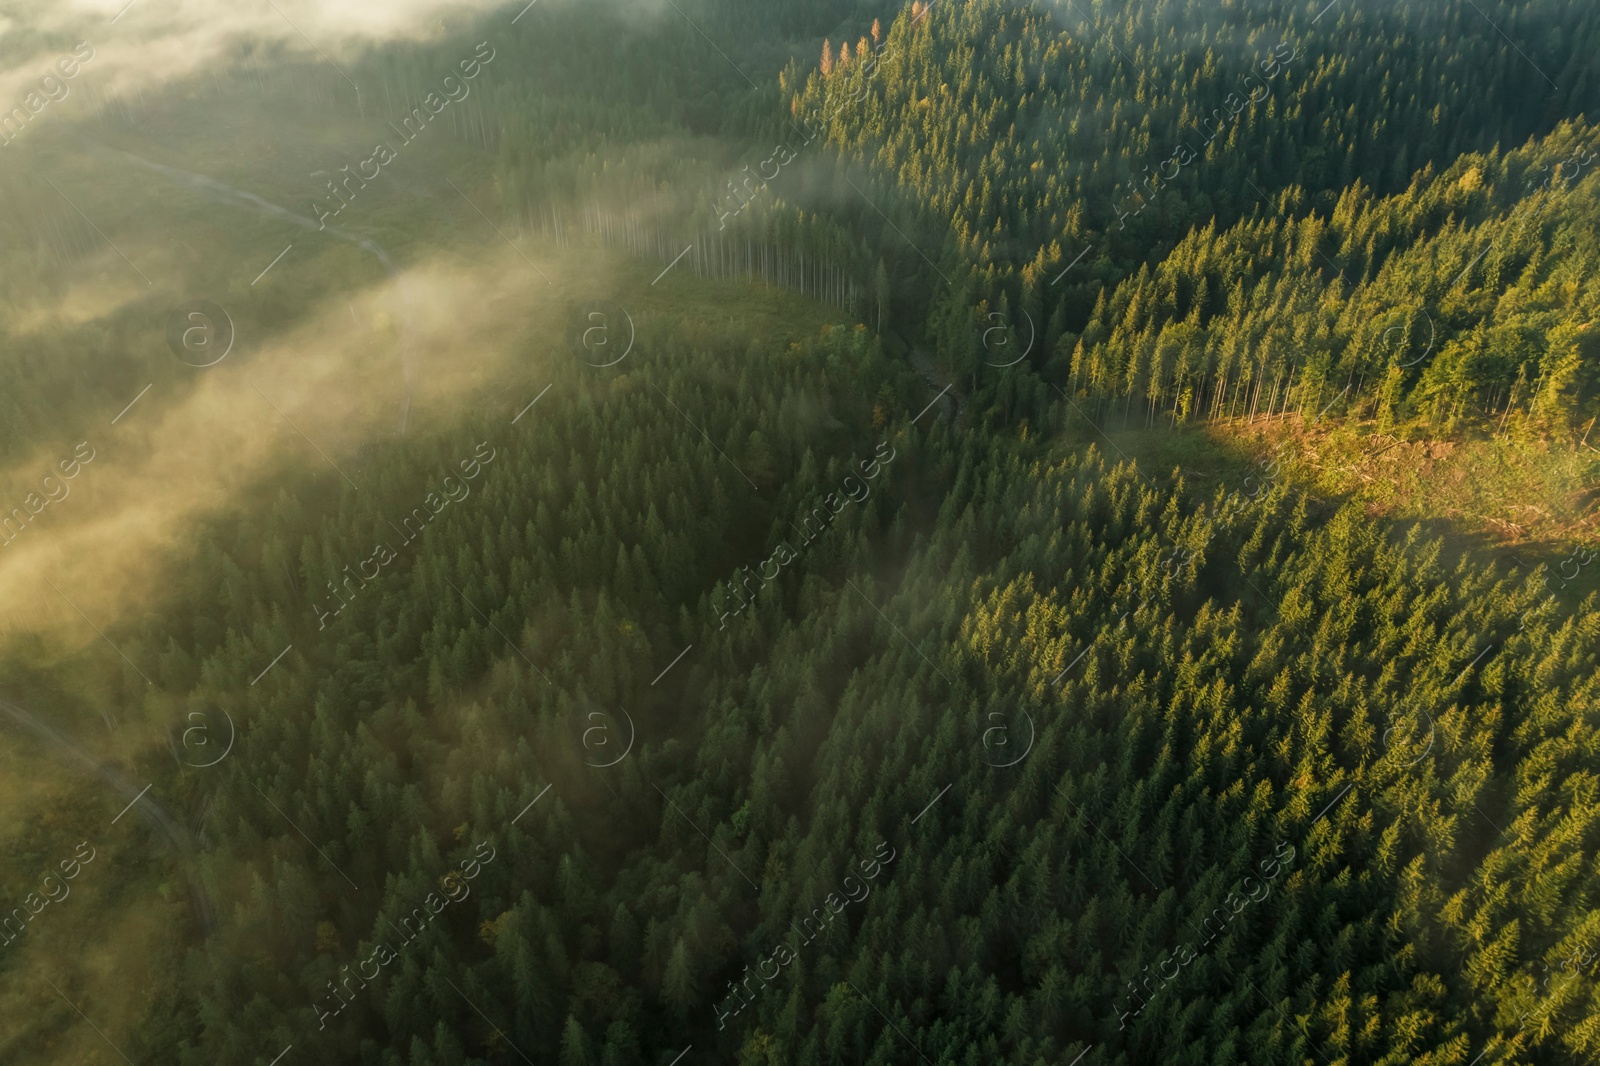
pixel 800 534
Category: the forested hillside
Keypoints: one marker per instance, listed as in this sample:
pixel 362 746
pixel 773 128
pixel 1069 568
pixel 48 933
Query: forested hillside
pixel 1048 158
pixel 801 534
pixel 1471 295
pixel 1192 691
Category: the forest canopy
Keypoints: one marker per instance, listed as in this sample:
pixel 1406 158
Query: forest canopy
pixel 802 533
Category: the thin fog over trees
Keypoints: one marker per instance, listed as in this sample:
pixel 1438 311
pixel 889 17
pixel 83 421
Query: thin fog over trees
pixel 801 533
